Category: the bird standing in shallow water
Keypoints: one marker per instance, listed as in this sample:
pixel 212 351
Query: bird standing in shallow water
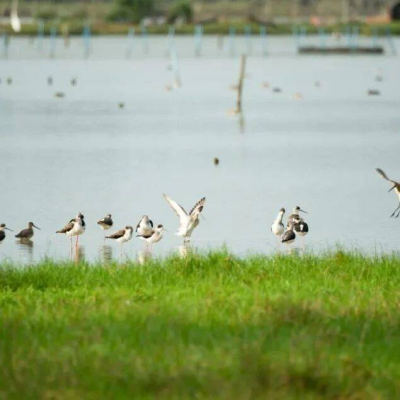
pixel 75 227
pixel 106 223
pixel 27 233
pixel 296 212
pixel 155 236
pixel 145 226
pixel 277 227
pixel 122 236
pixel 396 187
pixel 188 222
pixel 2 233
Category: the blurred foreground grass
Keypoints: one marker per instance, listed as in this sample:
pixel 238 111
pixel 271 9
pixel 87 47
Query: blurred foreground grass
pixel 208 326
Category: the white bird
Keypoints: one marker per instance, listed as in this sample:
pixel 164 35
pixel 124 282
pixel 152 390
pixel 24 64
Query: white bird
pixel 396 187
pixel 14 19
pixel 188 222
pixel 145 226
pixel 75 227
pixel 155 236
pixel 277 227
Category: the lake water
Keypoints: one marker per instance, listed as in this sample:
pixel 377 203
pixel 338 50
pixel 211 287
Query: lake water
pixel 83 153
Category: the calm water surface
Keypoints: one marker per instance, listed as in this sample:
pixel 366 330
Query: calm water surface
pixel 82 153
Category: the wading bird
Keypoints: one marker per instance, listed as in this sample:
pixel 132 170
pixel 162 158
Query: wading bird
pixel 188 222
pixel 75 227
pixel 396 187
pixel 27 233
pixel 289 236
pixel 277 227
pixel 145 226
pixel 155 236
pixel 122 236
pixel 295 214
pixel 2 233
pixel 14 19
pixel 106 223
pixel 301 227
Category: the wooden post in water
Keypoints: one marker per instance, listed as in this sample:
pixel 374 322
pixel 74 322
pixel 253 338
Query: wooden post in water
pixel 232 33
pixel 131 36
pixel 40 34
pixel 198 33
pixel 247 34
pixel 145 39
pixel 239 108
pixel 263 36
pixel 53 38
pixel 390 40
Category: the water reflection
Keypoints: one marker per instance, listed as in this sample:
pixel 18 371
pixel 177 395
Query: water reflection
pixel 80 254
pixel 144 255
pixel 25 247
pixel 185 250
pixel 106 253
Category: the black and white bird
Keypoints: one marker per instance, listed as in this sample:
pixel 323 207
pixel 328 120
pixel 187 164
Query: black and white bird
pixel 106 223
pixel 155 236
pixel 75 227
pixel 188 221
pixel 145 226
pixel 2 233
pixel 296 212
pixel 289 236
pixel 301 227
pixel 396 187
pixel 27 234
pixel 122 236
pixel 277 227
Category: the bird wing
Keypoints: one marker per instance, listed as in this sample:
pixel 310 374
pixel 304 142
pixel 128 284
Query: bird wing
pixel 180 212
pixel 22 233
pixel 384 176
pixel 67 227
pixel 117 235
pixel 198 206
pixel 106 221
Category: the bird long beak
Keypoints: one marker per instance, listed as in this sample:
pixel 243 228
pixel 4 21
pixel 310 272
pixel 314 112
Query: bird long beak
pixel 303 211
pixel 36 227
pixel 9 229
pixel 392 188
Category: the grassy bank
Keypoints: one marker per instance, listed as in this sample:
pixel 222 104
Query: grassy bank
pixel 209 326
pixel 76 27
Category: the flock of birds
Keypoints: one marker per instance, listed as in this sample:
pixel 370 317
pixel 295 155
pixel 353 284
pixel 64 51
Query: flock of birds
pixel 145 229
pixel 151 234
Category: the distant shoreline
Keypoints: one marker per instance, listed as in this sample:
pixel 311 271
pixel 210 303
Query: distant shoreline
pixel 240 28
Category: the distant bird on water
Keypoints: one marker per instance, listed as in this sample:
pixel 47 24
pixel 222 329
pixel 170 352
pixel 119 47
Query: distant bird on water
pixel 216 161
pixel 145 226
pixel 188 221
pixel 75 227
pixel 74 81
pixel 106 223
pixel 28 232
pixel 49 80
pixel 277 227
pixel 155 236
pixel 396 187
pixel 2 233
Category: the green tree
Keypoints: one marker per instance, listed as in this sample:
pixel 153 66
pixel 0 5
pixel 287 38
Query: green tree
pixel 132 10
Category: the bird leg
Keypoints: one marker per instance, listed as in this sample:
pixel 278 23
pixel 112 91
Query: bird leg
pixel 394 212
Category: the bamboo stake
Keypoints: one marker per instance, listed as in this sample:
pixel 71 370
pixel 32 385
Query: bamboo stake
pixel 240 84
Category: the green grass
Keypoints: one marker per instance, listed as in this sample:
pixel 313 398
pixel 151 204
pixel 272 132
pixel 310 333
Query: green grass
pixel 209 326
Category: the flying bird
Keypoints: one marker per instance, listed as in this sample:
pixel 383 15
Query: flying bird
pixel 396 187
